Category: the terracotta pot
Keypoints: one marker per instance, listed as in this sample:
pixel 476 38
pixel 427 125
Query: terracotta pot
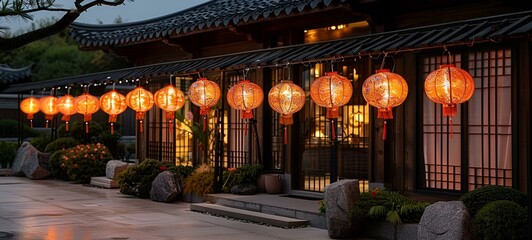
pixel 273 183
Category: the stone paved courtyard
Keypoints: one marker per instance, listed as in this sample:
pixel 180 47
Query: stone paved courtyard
pixel 52 209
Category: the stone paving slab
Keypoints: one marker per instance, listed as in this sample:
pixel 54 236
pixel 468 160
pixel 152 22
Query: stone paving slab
pixel 54 209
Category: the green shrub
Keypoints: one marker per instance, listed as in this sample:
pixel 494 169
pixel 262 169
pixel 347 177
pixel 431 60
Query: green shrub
pixel 476 199
pixel 10 129
pixel 41 141
pixel 501 219
pixel 61 144
pixel 136 180
pixel 56 165
pixel 387 206
pixel 182 171
pixel 200 181
pixel 241 175
pixel 76 129
pixel 8 152
pixel 85 161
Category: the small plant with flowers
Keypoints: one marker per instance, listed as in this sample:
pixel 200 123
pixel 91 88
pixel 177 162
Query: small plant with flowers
pixel 85 161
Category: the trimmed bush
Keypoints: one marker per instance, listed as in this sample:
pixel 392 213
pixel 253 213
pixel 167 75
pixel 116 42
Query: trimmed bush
pixel 241 175
pixel 10 129
pixel 8 152
pixel 76 129
pixel 41 141
pixel 182 171
pixel 387 206
pixel 476 199
pixel 501 219
pixel 136 180
pixel 200 181
pixel 61 144
pixel 56 165
pixel 85 161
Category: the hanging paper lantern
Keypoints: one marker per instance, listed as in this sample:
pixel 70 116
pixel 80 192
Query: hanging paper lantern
pixel 169 99
pixel 385 90
pixel 113 103
pixel 30 106
pixel 331 91
pixel 66 106
pixel 245 96
pixel 140 100
pixel 87 104
pixel 286 98
pixel 48 106
pixel 204 94
pixel 449 86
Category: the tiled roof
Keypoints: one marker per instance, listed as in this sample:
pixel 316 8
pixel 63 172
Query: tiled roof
pixel 491 29
pixel 210 15
pixel 10 75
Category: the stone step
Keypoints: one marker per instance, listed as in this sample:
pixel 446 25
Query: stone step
pixel 252 216
pixel 104 182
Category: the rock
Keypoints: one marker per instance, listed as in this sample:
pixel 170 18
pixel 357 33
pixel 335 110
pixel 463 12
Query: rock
pixel 114 167
pixel 244 189
pixel 166 187
pixel 444 220
pixel 30 162
pixel 340 197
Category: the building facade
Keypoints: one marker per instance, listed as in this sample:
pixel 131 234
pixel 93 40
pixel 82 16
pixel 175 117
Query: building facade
pixel 269 41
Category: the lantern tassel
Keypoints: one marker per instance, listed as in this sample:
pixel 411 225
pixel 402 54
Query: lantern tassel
pixel 46 123
pixel 333 131
pixel 450 127
pixel 170 125
pixel 245 128
pixel 112 129
pixel 141 126
pixel 86 127
pixel 285 136
pixel 66 126
pixel 384 131
pixel 204 123
pixel 31 123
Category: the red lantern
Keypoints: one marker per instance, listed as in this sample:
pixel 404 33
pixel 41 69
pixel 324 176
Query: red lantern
pixel 331 91
pixel 286 98
pixel 66 106
pixel 169 99
pixel 449 86
pixel 204 94
pixel 385 90
pixel 30 106
pixel 245 96
pixel 113 103
pixel 48 106
pixel 140 100
pixel 87 104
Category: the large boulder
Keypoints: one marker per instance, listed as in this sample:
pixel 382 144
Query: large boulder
pixel 444 220
pixel 30 162
pixel 114 167
pixel 166 187
pixel 340 197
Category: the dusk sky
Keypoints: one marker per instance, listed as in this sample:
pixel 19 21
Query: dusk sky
pixel 129 12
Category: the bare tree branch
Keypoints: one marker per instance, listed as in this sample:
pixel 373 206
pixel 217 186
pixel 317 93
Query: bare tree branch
pixel 70 16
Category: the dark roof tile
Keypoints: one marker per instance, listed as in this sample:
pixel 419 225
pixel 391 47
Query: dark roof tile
pixel 212 14
pixel 10 75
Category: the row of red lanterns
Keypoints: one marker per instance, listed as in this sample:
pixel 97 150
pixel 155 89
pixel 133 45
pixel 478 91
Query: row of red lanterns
pixel 384 90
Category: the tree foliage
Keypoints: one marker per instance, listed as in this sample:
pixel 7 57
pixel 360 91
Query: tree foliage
pixel 24 9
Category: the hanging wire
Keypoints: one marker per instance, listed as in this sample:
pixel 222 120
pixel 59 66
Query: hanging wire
pixel 289 73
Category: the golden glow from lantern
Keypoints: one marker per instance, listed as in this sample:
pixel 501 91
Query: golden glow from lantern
pixel 245 96
pixel 140 100
pixel 87 104
pixel 48 105
pixel 113 103
pixel 204 94
pixel 449 86
pixel 30 106
pixel 169 98
pixel 331 91
pixel 65 105
pixel 385 90
pixel 286 98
